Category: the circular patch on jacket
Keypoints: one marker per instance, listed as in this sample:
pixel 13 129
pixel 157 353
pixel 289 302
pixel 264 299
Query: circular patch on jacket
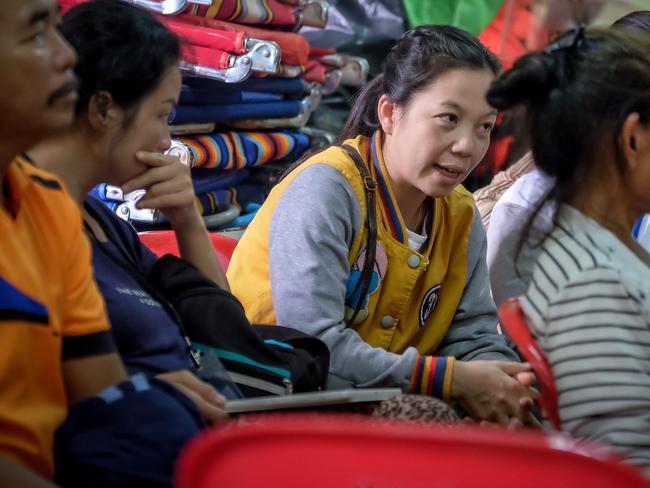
pixel 429 303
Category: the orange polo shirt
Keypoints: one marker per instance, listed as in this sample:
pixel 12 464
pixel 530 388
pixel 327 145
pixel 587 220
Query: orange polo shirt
pixel 50 309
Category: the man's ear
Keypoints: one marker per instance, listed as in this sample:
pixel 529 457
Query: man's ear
pixel 103 113
pixel 386 113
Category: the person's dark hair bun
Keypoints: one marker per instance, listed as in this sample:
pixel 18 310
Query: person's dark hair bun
pixel 530 80
pixel 577 94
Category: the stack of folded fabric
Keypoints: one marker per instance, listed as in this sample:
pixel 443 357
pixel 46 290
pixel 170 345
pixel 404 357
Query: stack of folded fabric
pixel 248 92
pixel 239 120
pixel 249 126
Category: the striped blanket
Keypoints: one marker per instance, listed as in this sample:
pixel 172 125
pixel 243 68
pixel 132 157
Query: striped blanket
pixel 231 150
pixel 246 11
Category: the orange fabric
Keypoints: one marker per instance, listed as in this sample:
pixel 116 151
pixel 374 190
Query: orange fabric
pixel 44 256
pixel 517 18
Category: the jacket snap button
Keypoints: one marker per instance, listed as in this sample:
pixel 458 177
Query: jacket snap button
pixel 413 261
pixel 387 322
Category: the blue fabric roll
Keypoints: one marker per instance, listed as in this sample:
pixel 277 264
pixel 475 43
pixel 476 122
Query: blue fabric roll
pixel 195 95
pixel 285 86
pixel 185 114
pixel 205 180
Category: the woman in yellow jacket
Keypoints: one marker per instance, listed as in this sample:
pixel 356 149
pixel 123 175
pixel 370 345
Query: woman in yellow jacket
pixel 427 323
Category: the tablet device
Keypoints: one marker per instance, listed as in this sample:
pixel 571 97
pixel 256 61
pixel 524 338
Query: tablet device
pixel 313 399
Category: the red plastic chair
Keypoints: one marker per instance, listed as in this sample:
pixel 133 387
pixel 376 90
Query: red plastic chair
pixel 164 242
pixel 512 318
pixel 350 451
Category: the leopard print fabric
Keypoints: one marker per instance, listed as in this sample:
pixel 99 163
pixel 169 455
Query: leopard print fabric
pixel 410 408
pixel 415 408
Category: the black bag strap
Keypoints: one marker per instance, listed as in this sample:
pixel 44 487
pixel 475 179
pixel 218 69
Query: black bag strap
pixel 126 261
pixel 370 187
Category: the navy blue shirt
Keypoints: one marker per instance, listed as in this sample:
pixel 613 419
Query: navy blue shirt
pixel 147 336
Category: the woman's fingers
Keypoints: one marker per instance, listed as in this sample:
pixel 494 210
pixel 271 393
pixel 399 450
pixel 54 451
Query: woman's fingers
pixel 210 411
pixel 512 368
pixel 167 194
pixel 206 398
pixel 161 168
pixel 526 378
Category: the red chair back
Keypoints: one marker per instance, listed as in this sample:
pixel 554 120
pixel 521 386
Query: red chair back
pixel 164 242
pixel 352 451
pixel 512 318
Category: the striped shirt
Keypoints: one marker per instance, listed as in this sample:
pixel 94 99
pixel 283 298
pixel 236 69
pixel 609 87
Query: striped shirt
pixel 589 307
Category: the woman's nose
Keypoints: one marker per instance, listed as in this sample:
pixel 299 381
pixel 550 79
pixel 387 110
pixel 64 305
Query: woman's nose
pixel 165 143
pixel 464 146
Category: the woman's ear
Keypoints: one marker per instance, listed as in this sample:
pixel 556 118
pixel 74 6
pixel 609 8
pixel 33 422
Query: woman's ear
pixel 634 141
pixel 103 113
pixel 386 112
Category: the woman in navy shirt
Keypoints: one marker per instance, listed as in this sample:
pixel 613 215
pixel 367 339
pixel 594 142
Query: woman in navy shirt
pixel 127 91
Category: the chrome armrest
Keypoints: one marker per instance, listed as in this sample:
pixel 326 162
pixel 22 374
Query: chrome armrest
pixel 238 72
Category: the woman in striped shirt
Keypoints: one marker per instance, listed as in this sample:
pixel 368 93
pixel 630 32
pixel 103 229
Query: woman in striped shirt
pixel 588 304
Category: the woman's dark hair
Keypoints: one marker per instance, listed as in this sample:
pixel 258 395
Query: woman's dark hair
pixel 122 49
pixel 420 56
pixel 578 93
pixel 635 20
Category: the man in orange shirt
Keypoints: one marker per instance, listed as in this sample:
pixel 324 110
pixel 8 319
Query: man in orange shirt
pixel 55 344
pixel 56 348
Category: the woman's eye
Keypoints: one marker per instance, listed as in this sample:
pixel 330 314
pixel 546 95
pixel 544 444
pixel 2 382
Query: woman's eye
pixel 450 118
pixel 487 127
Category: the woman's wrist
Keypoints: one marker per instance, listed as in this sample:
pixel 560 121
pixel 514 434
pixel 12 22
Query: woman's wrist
pixel 187 219
pixel 432 376
pixel 457 388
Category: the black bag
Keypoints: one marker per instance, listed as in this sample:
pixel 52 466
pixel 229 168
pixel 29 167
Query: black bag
pixel 260 359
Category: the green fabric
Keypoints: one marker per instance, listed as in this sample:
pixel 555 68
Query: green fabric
pixel 471 15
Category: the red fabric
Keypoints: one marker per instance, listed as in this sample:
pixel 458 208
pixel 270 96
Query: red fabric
pixel 164 242
pixel 294 47
pixel 315 71
pixel 317 52
pixel 213 58
pixel 68 4
pixel 198 35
